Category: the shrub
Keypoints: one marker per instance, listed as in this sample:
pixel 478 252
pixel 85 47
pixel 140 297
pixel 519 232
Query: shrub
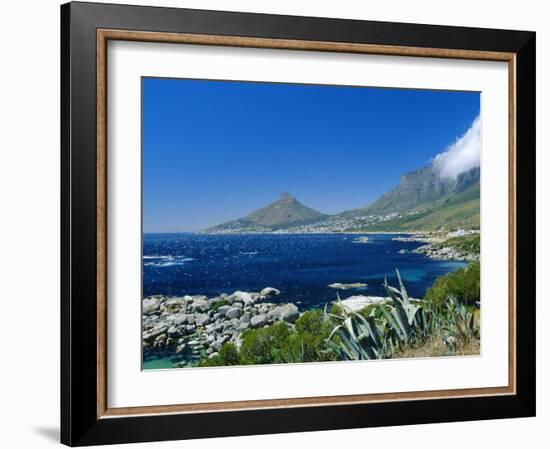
pixel 218 304
pixel 463 285
pixel 467 244
pixel 281 343
pixel 309 339
pixel 266 345
pixel 227 356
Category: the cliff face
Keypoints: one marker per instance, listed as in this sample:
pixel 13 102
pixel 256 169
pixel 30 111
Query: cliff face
pixel 420 187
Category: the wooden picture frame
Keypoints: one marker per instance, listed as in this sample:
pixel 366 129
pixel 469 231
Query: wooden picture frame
pixel 85 417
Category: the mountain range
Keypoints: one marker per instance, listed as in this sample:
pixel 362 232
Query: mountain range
pixel 423 186
pixel 422 201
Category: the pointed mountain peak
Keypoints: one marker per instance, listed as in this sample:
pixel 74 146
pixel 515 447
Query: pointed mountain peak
pixel 286 197
pixel 284 212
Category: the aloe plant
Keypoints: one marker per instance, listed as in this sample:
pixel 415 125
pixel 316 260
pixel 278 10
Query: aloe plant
pixel 359 336
pixel 459 320
pixel 410 319
pixel 378 330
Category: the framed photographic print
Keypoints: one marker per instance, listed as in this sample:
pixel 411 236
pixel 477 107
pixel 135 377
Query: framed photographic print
pixel 277 224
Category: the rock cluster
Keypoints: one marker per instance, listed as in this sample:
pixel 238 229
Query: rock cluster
pixel 359 302
pixel 197 326
pixel 340 286
pixel 423 238
pixel 446 253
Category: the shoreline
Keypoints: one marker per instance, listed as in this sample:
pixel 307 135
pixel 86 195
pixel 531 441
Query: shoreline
pixel 296 233
pixel 185 330
pixel 181 331
pixel 193 328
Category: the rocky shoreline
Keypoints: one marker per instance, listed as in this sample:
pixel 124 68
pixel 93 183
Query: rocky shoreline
pixel 436 248
pixel 422 238
pixel 196 327
pixel 445 253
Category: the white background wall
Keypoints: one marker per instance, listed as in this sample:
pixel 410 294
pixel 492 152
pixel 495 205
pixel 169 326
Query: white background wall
pixel 29 224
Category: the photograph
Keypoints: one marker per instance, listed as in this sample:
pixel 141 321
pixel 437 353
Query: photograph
pixel 287 221
pixel 294 223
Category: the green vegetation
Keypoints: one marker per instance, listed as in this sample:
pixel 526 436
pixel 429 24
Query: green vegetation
pixel 445 322
pixel 279 343
pixel 454 212
pixel 466 244
pixel 461 285
pixel 218 304
pixel 422 188
pixel 380 330
pixel 403 325
pixel 227 356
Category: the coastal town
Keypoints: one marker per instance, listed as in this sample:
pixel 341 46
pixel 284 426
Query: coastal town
pixel 328 224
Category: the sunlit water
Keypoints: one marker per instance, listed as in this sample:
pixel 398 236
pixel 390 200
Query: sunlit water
pixel 301 266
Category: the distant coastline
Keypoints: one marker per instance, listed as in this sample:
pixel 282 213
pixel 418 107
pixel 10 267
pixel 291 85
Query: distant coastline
pixel 423 201
pixel 293 233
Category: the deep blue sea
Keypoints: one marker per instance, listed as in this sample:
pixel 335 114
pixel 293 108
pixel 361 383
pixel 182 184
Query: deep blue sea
pixel 301 266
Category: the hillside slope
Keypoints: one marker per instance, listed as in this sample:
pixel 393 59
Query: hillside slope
pixel 456 211
pixel 417 188
pixel 286 211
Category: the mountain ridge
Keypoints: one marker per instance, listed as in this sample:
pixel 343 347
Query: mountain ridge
pixel 419 187
pixel 423 200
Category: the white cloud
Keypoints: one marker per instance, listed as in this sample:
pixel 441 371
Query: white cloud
pixel 462 155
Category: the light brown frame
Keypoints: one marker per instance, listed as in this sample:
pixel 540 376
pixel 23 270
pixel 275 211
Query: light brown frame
pixel 103 36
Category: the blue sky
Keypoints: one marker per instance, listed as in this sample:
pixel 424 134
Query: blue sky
pixel 216 150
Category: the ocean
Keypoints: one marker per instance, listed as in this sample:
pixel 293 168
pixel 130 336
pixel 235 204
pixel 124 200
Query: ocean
pixel 301 266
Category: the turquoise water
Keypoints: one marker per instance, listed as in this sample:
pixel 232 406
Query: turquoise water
pixel 162 362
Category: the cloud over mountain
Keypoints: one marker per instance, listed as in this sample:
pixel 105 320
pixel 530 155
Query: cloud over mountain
pixel 462 155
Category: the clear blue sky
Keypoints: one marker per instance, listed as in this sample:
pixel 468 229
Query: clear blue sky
pixel 216 150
